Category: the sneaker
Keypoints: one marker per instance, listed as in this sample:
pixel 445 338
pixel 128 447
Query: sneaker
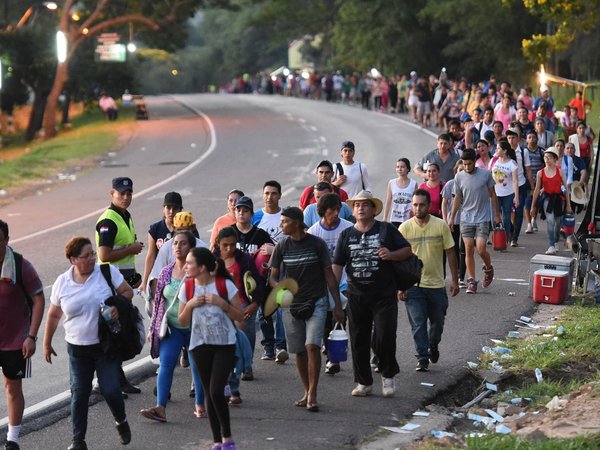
pixel 332 368
pixel 268 355
pixel 534 226
pixel 124 432
pixel 11 445
pixel 78 444
pixel 184 360
pixel 514 243
pixel 129 388
pixel 551 250
pixel 462 284
pixel 248 375
pixel 488 276
pixel 529 229
pixel 217 446
pixel 281 356
pixel 235 400
pixel 471 286
pixel 361 390
pixel 229 445
pixel 422 365
pixel 388 387
pixel 434 354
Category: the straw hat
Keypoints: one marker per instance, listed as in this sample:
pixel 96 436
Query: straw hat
pixel 578 194
pixel 366 195
pixel 281 296
pixel 249 284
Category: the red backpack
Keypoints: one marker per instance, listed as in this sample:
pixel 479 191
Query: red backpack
pixel 219 281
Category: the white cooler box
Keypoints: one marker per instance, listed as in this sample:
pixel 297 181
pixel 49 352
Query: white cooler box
pixel 550 262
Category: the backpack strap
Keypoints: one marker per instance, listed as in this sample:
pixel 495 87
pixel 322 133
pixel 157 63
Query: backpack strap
pixel 19 280
pixel 105 269
pixel 361 176
pixel 221 287
pixel 189 288
pixel 340 169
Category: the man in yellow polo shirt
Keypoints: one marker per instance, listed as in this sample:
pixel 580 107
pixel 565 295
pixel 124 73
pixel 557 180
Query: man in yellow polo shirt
pixel 117 243
pixel 429 238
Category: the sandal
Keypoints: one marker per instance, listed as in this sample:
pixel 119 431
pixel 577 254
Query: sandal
pixel 201 414
pixel 153 414
pixel 312 407
pixel 301 403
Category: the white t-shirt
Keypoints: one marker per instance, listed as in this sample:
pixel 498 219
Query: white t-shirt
pixel 329 236
pixel 210 324
pixel 522 179
pixel 166 256
pixel 270 223
pixel 354 182
pixel 502 175
pixel 401 200
pixel 80 303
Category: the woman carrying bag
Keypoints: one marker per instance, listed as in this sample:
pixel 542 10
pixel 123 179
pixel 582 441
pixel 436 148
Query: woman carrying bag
pixel 167 335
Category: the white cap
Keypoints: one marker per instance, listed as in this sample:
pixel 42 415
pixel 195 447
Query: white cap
pixel 544 88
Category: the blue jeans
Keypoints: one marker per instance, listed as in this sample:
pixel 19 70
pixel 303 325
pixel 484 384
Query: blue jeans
pixel 169 351
pixel 422 305
pixel 84 360
pixel 523 194
pixel 505 204
pixel 250 330
pixel 273 333
pixel 554 224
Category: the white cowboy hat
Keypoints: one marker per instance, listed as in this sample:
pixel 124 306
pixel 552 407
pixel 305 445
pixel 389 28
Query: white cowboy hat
pixel 281 296
pixel 578 194
pixel 366 195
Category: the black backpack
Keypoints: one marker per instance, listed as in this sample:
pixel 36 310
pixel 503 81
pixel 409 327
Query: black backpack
pixel 129 342
pixel 19 279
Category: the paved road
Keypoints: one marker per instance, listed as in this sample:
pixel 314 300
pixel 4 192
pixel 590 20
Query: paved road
pixel 239 143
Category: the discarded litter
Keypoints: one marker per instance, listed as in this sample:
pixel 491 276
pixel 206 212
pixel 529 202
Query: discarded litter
pixel 514 334
pixel 491 387
pixel 516 400
pixel 270 439
pixel 396 430
pixel 511 294
pixel 420 414
pixel 427 384
pixel 503 429
pixel 478 418
pixel 538 375
pixel 497 341
pixel 458 415
pixel 441 434
pixel 560 330
pixel 556 404
pixel 525 319
pixel 494 415
pixel 410 426
pixel 472 365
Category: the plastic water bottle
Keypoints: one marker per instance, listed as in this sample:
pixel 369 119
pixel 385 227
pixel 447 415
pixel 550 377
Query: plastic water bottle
pixel 113 325
pixel 538 375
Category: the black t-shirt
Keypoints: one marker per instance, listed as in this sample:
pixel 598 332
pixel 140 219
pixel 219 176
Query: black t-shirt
pixel 251 241
pixel 304 261
pixel 358 252
pixel 160 233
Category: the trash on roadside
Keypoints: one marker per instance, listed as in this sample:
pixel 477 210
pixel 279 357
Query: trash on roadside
pixel 514 334
pixel 420 414
pixel 516 401
pixel 503 429
pixel 560 330
pixel 511 294
pixel 472 365
pixel 427 384
pixel 458 415
pixel 491 387
pixel 441 434
pixel 410 426
pixel 494 415
pixel 478 418
pixel 395 430
pixel 496 367
pixel 525 319
pixel 497 341
pixel 270 439
pixel 538 375
pixel 556 404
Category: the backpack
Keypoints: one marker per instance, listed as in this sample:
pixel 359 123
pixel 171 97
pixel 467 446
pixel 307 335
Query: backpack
pixel 340 171
pixel 129 342
pixel 219 281
pixel 19 280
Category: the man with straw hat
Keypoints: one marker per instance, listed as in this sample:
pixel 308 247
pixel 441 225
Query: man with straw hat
pixel 305 258
pixel 364 250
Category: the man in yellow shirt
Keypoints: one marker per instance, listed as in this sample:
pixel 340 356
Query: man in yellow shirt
pixel 429 238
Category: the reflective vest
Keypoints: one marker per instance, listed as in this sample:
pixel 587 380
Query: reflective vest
pixel 125 236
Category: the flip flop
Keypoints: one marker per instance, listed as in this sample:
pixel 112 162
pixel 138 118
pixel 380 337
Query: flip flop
pixel 152 414
pixel 312 407
pixel 201 414
pixel 301 403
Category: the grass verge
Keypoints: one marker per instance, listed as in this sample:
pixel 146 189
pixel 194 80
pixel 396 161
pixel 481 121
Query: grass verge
pixel 494 442
pixel 89 136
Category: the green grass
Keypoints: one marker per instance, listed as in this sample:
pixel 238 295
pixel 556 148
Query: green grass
pixel 91 134
pixel 495 442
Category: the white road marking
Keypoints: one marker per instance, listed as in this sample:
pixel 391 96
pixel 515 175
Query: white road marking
pixel 192 165
pixel 322 138
pixel 313 128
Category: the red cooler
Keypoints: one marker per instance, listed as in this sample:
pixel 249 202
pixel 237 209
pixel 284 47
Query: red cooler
pixel 550 286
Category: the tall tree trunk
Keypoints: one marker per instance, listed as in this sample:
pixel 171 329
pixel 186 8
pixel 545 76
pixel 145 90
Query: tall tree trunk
pixel 66 106
pixel 36 116
pixel 60 79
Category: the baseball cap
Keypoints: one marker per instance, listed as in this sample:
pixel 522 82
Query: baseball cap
pixel 294 213
pixel 348 144
pixel 246 202
pixel 466 117
pixel 173 199
pixel 183 219
pixel 489 135
pixel 514 131
pixel 544 88
pixel 322 186
pixel 325 162
pixel 122 184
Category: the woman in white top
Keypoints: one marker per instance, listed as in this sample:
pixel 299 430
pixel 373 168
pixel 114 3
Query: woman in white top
pixel 78 295
pixel 400 190
pixel 213 336
pixel 353 176
pixel 506 175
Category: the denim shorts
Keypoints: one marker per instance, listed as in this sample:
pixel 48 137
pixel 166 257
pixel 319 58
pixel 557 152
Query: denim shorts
pixel 473 230
pixel 300 333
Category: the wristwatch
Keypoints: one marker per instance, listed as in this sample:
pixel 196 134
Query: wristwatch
pixel 33 338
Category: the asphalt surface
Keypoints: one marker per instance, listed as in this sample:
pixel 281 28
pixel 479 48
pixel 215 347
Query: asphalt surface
pixel 241 142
